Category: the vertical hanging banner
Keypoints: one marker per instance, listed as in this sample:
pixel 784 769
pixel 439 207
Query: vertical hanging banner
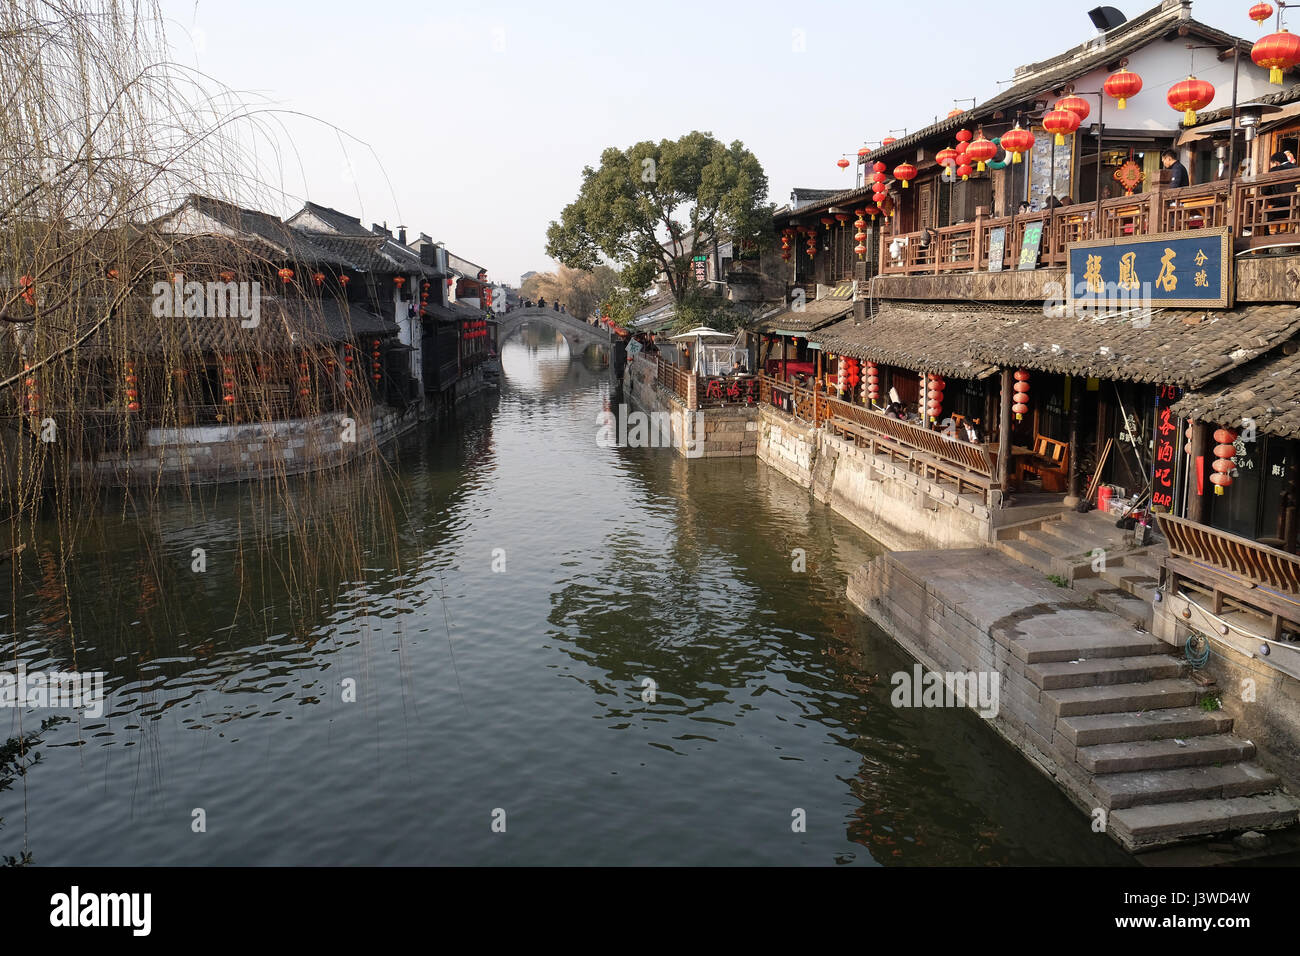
pixel 1165 460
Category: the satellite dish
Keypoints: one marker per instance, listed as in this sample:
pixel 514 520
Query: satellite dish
pixel 1106 18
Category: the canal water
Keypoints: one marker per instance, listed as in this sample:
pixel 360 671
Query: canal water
pixel 612 655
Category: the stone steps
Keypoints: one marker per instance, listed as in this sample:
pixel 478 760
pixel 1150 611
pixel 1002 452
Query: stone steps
pixel 1027 553
pixel 1160 824
pixel 1119 791
pixel 1100 703
pixel 1123 642
pixel 1054 675
pixel 1091 729
pixel 1122 698
pixel 1164 754
pixel 1135 610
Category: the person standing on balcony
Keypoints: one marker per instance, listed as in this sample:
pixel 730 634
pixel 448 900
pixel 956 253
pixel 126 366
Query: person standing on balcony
pixel 1177 171
pixel 1279 210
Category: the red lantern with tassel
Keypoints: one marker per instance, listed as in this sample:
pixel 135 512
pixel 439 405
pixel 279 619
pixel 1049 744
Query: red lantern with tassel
pixel 1224 450
pixel 1076 105
pixel 873 382
pixel 1061 123
pixel 1021 399
pixel 1016 141
pixel 980 151
pixel 1190 95
pixel 1277 52
pixel 905 173
pixel 1121 86
pixel 1260 12
pixel 843 162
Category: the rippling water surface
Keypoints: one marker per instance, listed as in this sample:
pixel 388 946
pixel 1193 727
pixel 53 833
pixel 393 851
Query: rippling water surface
pixel 519 690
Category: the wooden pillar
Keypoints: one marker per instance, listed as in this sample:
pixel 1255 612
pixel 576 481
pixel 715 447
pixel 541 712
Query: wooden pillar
pixel 1004 434
pixel 1075 386
pixel 1198 504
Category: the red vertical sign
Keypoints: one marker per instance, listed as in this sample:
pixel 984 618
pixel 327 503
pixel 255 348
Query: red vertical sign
pixel 1162 475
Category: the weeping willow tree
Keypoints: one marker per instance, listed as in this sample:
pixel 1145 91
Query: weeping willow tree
pixel 102 136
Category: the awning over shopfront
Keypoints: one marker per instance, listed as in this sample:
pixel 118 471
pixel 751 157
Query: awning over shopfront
pixel 917 338
pixel 1265 393
pixel 813 316
pixel 1157 346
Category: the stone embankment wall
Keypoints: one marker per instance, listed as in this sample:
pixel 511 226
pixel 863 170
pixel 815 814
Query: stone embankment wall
pixel 220 453
pixel 898 508
pixel 728 432
pixel 1263 702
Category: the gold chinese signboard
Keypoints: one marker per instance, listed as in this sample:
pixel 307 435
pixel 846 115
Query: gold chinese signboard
pixel 1179 270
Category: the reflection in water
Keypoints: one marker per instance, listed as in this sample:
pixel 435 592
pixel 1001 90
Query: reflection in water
pixel 500 644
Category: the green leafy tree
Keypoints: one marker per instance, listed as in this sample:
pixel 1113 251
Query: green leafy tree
pixel 650 207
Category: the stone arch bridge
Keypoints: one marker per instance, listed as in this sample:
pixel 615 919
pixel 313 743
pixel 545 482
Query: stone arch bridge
pixel 576 332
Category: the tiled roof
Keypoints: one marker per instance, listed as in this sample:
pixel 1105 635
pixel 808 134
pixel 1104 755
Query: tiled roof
pixel 913 338
pixel 283 325
pixel 1266 391
pixel 288 243
pixel 812 316
pixel 1163 346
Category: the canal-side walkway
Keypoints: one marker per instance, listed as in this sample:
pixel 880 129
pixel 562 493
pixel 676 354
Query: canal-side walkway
pixel 1097 704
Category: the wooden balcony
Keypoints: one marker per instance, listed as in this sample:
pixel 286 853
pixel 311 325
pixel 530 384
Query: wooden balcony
pixel 1233 572
pixel 966 466
pixel 677 380
pixel 1255 209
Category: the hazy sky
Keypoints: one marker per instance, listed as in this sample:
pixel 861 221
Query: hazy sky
pixel 472 121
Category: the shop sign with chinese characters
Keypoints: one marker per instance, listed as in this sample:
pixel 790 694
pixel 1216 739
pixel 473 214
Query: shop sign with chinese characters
pixel 1190 269
pixel 1164 469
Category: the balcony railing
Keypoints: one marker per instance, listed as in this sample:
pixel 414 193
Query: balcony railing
pixel 1255 208
pixel 1233 570
pixel 935 454
pixel 677 380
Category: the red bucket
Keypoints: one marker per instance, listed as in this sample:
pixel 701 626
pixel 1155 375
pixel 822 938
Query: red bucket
pixel 1103 497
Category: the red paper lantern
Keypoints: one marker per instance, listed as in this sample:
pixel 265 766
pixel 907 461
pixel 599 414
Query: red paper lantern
pixel 981 151
pixel 1017 140
pixel 905 172
pixel 964 171
pixel 1190 95
pixel 888 141
pixel 1122 85
pixel 1061 122
pixel 946 156
pixel 963 137
pixel 1279 52
pixel 1021 388
pixel 863 153
pixel 843 162
pixel 1223 465
pixel 1260 12
pixel 1076 105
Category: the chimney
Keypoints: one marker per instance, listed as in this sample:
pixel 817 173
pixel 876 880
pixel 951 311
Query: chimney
pixel 401 234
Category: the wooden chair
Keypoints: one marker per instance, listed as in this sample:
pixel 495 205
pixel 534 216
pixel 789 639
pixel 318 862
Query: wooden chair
pixel 1050 462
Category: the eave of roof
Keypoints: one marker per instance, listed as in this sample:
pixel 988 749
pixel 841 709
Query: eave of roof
pixel 1056 71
